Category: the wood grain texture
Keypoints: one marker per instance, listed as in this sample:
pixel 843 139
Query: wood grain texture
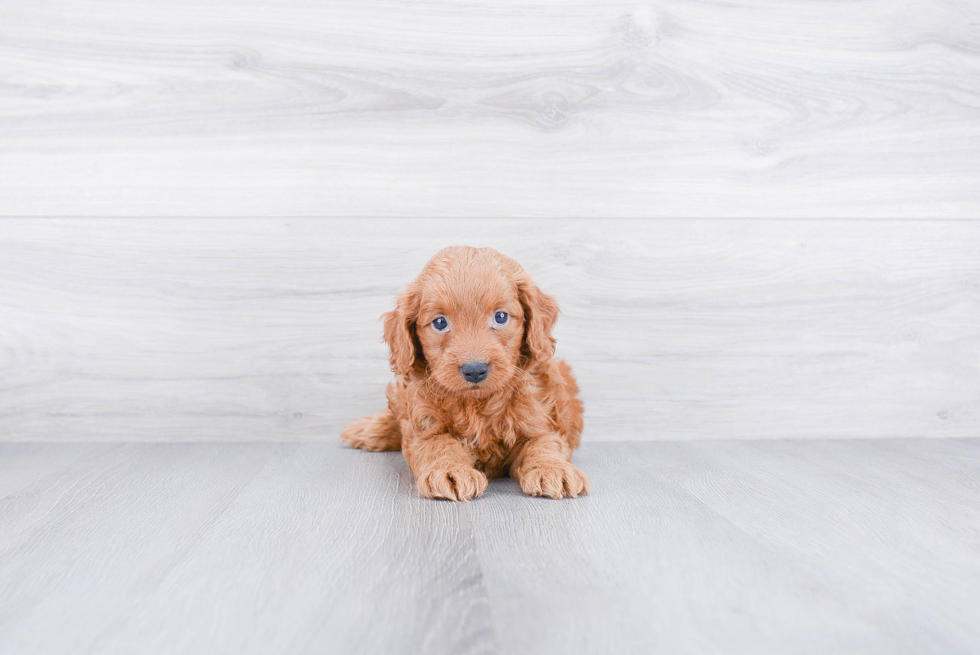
pixel 268 330
pixel 758 547
pixel 743 108
pixel 239 548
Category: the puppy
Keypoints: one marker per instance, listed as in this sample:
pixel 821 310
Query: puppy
pixel 478 393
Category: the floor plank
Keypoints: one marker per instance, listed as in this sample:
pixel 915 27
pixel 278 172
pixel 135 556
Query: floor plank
pixel 743 108
pixel 843 546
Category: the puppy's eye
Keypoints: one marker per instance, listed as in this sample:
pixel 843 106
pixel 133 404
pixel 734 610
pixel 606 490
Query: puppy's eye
pixel 501 318
pixel 440 324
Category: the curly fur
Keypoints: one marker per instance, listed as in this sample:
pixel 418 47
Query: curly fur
pixel 524 419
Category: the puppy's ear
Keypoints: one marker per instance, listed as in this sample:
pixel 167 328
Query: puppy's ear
pixel 400 335
pixel 540 315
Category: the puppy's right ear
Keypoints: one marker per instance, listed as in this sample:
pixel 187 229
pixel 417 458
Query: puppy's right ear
pixel 400 335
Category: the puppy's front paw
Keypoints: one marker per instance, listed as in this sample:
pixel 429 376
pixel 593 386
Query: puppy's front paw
pixel 555 480
pixel 461 483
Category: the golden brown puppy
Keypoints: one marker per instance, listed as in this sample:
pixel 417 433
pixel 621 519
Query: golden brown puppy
pixel 478 392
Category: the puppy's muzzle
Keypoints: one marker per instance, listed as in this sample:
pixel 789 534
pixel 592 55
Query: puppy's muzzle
pixel 475 372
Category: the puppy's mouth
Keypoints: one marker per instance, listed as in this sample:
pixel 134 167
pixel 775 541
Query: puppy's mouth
pixel 475 387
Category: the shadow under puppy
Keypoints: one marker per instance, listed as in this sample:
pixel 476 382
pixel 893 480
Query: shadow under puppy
pixel 478 392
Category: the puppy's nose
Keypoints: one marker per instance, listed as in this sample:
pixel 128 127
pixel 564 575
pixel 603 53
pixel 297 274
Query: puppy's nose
pixel 475 371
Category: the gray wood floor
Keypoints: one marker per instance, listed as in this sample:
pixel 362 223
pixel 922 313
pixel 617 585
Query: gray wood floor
pixel 831 546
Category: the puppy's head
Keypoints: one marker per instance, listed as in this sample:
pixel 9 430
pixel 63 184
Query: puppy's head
pixel 471 321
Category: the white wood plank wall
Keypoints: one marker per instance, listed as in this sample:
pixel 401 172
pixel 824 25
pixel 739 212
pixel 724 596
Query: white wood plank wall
pixel 211 202
pixel 669 108
pixel 267 329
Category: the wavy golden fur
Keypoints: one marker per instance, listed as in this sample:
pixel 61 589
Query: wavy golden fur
pixel 524 419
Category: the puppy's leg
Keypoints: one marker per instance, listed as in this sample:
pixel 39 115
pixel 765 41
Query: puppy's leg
pixel 568 408
pixel 378 432
pixel 543 467
pixel 443 468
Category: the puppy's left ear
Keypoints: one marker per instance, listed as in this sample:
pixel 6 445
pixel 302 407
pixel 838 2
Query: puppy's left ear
pixel 540 316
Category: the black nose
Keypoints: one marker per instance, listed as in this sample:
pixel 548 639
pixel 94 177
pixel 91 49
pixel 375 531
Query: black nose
pixel 475 371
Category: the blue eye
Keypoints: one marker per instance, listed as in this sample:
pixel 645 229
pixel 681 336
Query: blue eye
pixel 440 324
pixel 501 318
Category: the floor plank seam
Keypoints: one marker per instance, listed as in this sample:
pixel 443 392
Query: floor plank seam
pixel 466 525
